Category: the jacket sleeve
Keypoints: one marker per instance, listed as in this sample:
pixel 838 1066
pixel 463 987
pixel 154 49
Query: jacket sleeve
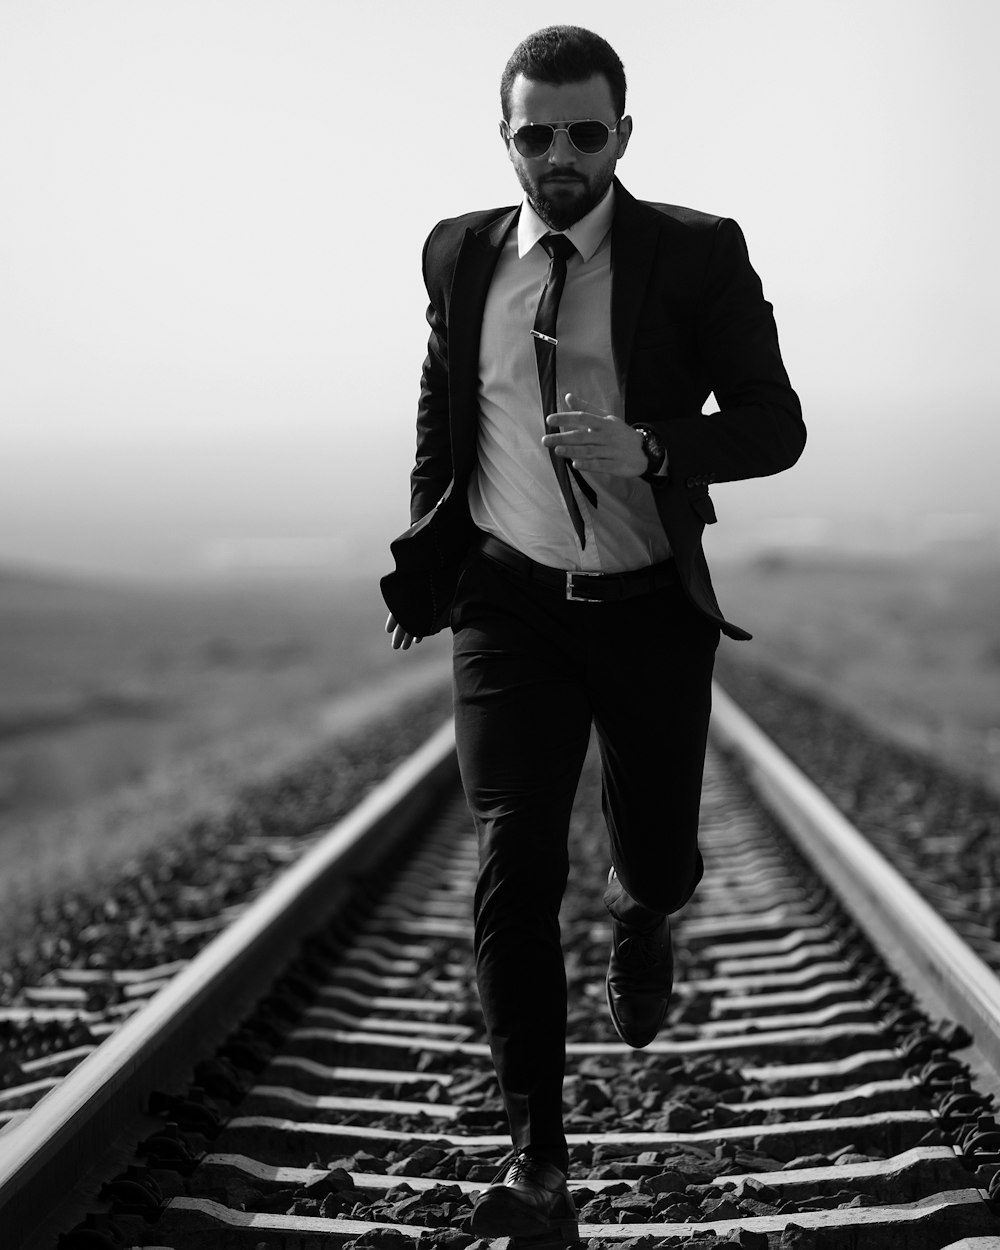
pixel 432 470
pixel 758 429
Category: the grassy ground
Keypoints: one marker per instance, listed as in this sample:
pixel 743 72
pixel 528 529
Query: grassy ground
pixel 912 646
pixel 126 711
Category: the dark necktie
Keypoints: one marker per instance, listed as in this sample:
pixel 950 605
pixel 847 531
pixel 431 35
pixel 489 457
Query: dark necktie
pixel 559 250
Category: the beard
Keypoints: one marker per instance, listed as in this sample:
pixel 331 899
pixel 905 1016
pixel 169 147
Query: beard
pixel 562 204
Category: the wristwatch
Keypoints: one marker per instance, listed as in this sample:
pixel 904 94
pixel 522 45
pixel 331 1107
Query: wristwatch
pixel 656 453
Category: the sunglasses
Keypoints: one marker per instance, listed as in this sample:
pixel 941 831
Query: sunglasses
pixel 536 138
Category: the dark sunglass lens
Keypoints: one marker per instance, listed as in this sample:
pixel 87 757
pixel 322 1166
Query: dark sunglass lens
pixel 533 140
pixel 589 136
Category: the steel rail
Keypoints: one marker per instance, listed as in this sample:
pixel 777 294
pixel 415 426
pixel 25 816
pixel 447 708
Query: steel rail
pixel 102 1102
pixel 884 904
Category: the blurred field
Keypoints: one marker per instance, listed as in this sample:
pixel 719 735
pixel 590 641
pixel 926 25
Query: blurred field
pixel 125 710
pixel 912 645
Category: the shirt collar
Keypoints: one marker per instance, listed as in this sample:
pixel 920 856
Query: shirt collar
pixel 585 235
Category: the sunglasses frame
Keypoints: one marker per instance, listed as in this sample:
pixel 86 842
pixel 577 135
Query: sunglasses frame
pixel 511 135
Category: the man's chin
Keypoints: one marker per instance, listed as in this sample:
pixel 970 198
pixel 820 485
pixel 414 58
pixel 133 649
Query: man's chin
pixel 561 203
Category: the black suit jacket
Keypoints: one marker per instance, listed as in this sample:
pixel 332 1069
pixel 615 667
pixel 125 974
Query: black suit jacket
pixel 688 318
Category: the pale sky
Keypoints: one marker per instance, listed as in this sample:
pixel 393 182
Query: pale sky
pixel 211 216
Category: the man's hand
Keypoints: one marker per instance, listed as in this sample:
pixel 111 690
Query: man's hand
pixel 400 638
pixel 595 441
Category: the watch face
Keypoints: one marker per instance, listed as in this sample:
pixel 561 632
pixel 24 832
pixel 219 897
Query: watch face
pixel 654 449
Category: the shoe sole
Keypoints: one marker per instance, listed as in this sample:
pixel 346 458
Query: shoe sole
pixel 620 1028
pixel 503 1215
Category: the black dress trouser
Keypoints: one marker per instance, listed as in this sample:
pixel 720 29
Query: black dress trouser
pixel 532 673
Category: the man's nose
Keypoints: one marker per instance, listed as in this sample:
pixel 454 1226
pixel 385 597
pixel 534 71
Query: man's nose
pixel 562 152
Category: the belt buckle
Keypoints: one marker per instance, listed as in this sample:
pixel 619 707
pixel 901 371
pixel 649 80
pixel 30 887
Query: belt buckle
pixel 571 597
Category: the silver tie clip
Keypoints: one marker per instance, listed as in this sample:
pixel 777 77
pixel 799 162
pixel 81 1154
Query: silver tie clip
pixel 545 338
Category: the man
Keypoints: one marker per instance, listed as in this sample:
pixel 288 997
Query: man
pixel 561 540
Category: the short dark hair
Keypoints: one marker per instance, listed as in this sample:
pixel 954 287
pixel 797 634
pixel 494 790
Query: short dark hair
pixel 558 54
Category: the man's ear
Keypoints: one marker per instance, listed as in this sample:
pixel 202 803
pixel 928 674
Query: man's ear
pixel 624 133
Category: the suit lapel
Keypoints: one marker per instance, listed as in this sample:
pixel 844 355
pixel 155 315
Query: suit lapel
pixel 477 259
pixel 633 241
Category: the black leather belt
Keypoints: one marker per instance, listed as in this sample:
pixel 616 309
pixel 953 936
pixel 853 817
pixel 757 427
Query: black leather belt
pixel 581 587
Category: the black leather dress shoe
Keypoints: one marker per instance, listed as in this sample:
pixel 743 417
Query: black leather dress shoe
pixel 640 978
pixel 528 1198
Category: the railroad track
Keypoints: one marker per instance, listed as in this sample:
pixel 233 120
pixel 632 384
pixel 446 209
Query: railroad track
pixel 317 1074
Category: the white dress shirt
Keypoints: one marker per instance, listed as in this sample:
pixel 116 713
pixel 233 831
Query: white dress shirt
pixel 514 494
